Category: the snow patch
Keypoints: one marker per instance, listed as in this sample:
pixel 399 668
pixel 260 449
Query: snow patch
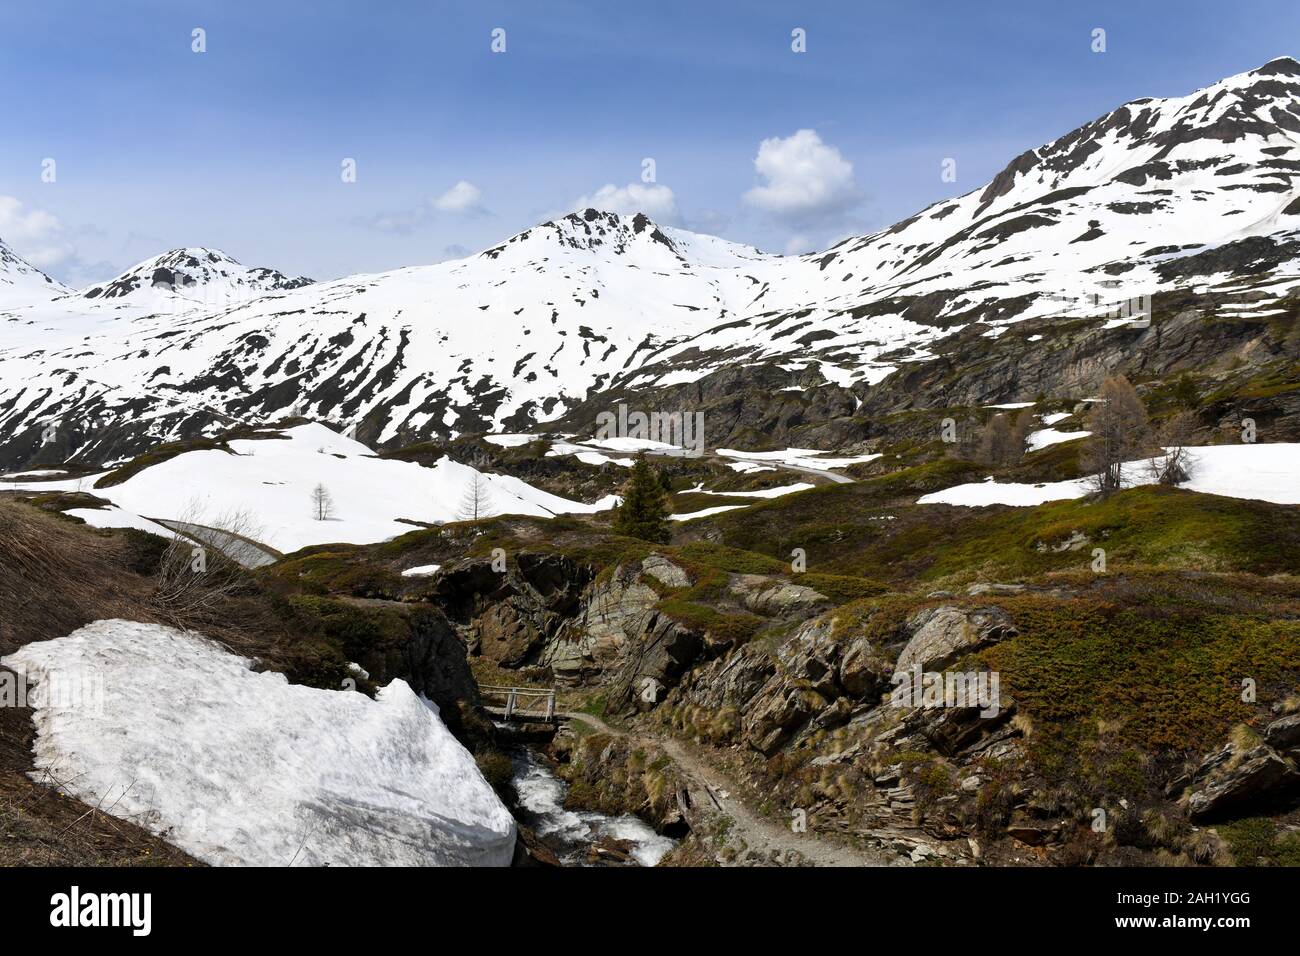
pixel 244 768
pixel 421 571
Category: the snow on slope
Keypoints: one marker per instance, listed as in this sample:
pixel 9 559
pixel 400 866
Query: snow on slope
pixel 273 478
pixel 1069 228
pixel 523 331
pixel 243 768
pixel 199 277
pixel 1261 472
pixel 22 283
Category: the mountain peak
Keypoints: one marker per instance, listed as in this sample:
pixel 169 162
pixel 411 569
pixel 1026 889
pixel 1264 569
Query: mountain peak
pixel 183 270
pixel 590 230
pixel 22 282
pixel 1279 66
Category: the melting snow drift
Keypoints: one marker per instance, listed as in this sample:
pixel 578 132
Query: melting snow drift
pixel 271 480
pixel 244 768
pixel 1264 472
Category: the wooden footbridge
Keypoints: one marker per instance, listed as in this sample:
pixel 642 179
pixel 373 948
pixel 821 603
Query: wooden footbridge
pixel 530 705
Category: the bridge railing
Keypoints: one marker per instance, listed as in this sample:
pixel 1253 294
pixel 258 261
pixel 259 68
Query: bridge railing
pixel 519 703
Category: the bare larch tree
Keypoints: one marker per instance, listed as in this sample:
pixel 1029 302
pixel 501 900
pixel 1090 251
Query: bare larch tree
pixel 322 504
pixel 476 503
pixel 1120 430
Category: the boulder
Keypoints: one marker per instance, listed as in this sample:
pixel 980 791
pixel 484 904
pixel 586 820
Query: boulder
pixel 774 597
pixel 993 588
pixel 1283 734
pixel 610 850
pixel 782 709
pixel 863 673
pixel 940 635
pixel 1256 779
pixel 665 572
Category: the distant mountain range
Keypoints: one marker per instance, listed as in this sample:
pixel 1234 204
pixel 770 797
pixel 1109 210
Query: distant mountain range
pixel 1196 193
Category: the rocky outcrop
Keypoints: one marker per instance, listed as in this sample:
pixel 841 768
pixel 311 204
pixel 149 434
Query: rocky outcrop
pixel 653 662
pixel 815 677
pixel 613 613
pixel 508 615
pixel 1075 360
pixel 776 598
pixel 624 637
pixel 940 635
pixel 1235 781
pixel 665 572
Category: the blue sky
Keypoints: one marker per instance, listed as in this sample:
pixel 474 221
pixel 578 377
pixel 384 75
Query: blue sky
pixel 240 147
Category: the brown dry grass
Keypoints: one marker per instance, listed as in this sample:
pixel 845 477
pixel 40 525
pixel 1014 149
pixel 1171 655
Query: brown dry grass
pixel 57 576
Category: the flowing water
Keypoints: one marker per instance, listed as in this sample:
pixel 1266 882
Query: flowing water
pixel 570 832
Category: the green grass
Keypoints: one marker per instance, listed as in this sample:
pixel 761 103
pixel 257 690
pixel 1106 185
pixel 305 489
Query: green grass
pixel 734 628
pixel 734 560
pixel 1257 841
pixel 841 588
pixel 324 571
pixel 1143 526
pixel 1156 668
pixel 846 530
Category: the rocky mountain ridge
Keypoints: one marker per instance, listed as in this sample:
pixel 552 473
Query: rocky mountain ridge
pixel 1188 201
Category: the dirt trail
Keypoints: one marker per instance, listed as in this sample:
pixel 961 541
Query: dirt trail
pixel 713 787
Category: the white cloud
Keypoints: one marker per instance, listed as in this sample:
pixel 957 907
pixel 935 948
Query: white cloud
pixel 655 200
pixel 797 245
pixel 806 181
pixel 464 197
pixel 34 234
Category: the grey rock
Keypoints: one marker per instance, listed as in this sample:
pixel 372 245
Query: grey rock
pixel 993 588
pixel 665 572
pixel 940 635
pixel 772 596
pixel 1255 780
pixel 1283 734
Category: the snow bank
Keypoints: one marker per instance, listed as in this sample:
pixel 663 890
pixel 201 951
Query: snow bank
pixel 1267 472
pixel 117 518
pixel 510 441
pixel 243 768
pixel 706 512
pixel 1262 472
pixel 797 457
pixel 421 571
pixel 1050 436
pixel 586 455
pixel 763 492
pixel 272 479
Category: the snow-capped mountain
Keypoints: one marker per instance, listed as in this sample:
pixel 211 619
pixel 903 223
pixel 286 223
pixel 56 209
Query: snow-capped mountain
pixel 1160 194
pixel 21 282
pixel 203 277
